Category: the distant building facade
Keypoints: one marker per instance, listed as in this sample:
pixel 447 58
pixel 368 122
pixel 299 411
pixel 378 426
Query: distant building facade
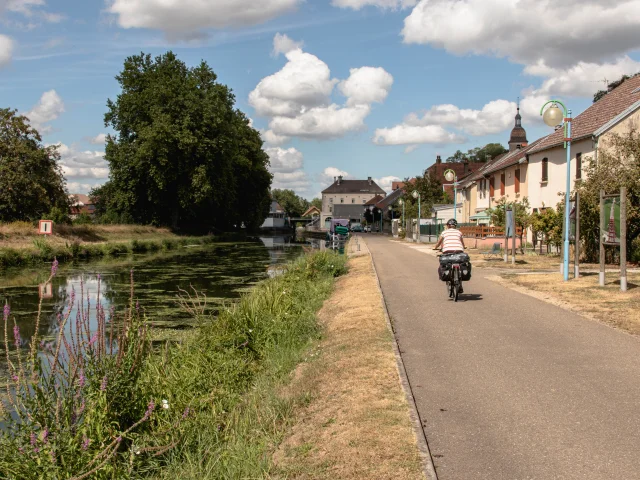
pixel 276 217
pixel 348 193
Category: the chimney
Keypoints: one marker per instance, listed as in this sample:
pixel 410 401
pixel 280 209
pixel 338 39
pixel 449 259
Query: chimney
pixel 438 159
pixel 339 179
pixel 466 167
pixel 369 180
pixel 558 127
pixel 334 179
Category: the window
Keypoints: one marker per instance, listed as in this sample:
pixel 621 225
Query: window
pixel 353 200
pixel 342 200
pixel 492 188
pixel 331 200
pixel 578 166
pixel 364 200
pixel 330 209
pixel 502 179
pixel 545 169
pixel 517 181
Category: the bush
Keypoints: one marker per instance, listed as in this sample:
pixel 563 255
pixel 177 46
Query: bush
pixel 44 249
pixel 58 216
pixel 83 219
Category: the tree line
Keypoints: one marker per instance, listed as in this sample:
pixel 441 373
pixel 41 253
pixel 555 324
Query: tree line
pixel 182 155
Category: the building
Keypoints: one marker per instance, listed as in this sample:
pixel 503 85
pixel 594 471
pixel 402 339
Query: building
pixel 276 217
pixel 616 112
pixel 81 204
pixel 312 212
pixel 352 193
pixel 462 169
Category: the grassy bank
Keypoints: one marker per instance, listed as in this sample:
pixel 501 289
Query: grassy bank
pixel 209 407
pixel 20 245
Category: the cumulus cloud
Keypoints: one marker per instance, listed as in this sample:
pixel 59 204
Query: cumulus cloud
pixel 386 182
pixel 31 10
pixel 405 134
pixel 80 187
pixel 272 138
pixel 528 31
pixel 6 50
pixel 366 85
pixel 99 139
pixel 298 97
pixel 384 4
pixel 181 18
pixel 494 117
pixel 48 109
pixel 283 44
pixel 285 160
pixel 77 164
pixel 327 176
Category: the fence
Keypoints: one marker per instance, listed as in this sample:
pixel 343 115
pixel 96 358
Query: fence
pixel 483 231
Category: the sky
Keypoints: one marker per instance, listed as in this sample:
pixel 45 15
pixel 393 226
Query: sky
pixel 359 88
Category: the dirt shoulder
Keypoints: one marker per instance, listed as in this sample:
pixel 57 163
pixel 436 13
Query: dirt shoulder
pixel 357 422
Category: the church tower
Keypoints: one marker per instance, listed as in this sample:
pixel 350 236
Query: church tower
pixel 518 135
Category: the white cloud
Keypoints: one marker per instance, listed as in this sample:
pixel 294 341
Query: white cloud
pixel 80 187
pixel 273 139
pixel 48 109
pixel 322 123
pixel 385 4
pixel 99 139
pixel 283 44
pixel 366 85
pixel 183 18
pixel 328 175
pixel 386 182
pixel 6 50
pixel 304 82
pixel 528 31
pixel 494 117
pixel 296 181
pixel 285 160
pixel 77 164
pixel 298 97
pixel 31 10
pixel 405 134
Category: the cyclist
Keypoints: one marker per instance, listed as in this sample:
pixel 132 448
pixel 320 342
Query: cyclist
pixel 451 241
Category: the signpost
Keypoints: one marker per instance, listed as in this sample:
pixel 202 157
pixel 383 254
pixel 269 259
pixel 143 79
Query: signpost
pixel 613 231
pixel 45 227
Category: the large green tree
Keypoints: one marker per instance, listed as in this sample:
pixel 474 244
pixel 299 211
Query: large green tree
pixel 478 154
pixel 182 155
pixel 293 204
pixel 31 180
pixel 431 193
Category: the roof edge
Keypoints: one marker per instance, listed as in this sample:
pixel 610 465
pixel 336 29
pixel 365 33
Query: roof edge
pixel 618 118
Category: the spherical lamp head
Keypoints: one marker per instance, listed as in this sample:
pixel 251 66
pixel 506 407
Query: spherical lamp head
pixel 553 115
pixel 450 175
pixel 415 194
pixel 401 202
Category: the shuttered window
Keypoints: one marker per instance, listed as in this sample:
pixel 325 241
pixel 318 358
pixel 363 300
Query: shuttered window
pixel 502 180
pixel 492 188
pixel 578 166
pixel 517 184
pixel 545 169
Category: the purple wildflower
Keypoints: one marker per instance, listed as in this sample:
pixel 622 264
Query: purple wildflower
pixel 36 450
pixel 16 336
pixel 150 409
pixel 137 306
pixel 81 379
pixel 85 442
pixel 33 439
pixel 45 435
pixel 7 311
pixel 119 439
pixel 54 267
pixel 93 339
pixel 15 378
pixel 82 406
pixel 103 385
pixel 186 413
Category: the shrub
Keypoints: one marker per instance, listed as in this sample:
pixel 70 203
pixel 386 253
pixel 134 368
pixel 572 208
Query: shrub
pixel 58 216
pixel 83 219
pixel 44 249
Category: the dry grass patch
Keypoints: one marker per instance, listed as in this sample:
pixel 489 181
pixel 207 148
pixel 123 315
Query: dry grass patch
pixel 356 424
pixel 607 304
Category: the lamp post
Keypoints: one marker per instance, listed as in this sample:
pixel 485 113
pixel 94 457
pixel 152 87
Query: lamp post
pixel 401 201
pixel 380 212
pixel 451 176
pixel 391 210
pixel 416 194
pixel 554 116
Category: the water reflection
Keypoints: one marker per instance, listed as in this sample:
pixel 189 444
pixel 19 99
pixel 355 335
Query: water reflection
pixel 221 271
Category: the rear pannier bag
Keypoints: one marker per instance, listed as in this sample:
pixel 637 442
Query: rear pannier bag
pixel 445 266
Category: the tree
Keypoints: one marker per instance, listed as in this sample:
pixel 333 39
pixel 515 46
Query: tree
pixel 618 165
pixel 601 93
pixel 522 212
pixel 31 180
pixel 547 225
pixel 183 155
pixel 294 205
pixel 317 202
pixel 431 193
pixel 478 154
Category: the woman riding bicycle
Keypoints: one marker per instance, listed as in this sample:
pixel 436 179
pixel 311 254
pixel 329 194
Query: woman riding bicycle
pixel 451 241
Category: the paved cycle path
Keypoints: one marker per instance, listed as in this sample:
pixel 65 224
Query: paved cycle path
pixel 507 386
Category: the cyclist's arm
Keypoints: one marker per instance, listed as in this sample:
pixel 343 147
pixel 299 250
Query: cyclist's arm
pixel 440 240
pixel 462 240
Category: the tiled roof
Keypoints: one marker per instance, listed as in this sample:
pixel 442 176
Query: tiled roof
pixel 390 199
pixel 374 200
pixel 477 175
pixel 354 186
pixel 77 198
pixel 598 114
pixel 511 158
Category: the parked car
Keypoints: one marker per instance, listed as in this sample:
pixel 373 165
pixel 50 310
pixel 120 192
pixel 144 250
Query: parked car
pixel 356 227
pixel 367 229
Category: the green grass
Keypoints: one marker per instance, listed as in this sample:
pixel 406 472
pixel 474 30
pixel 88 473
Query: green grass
pixel 231 372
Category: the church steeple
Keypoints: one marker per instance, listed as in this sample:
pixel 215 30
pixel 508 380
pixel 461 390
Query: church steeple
pixel 518 134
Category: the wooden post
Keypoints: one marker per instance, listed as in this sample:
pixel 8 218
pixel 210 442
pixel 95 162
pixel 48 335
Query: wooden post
pixel 506 238
pixel 577 249
pixel 600 234
pixel 564 224
pixel 623 239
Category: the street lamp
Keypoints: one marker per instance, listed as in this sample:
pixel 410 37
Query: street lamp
pixel 416 194
pixel 391 210
pixel 401 202
pixel 554 116
pixel 451 176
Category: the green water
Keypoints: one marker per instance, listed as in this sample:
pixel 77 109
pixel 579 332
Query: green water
pixel 221 271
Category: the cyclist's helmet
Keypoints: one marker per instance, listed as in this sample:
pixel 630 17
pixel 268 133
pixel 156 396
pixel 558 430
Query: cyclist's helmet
pixel 452 223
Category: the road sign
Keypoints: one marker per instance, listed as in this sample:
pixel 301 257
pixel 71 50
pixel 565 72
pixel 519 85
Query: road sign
pixel 45 227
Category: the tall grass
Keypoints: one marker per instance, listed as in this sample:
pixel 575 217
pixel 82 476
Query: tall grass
pixel 101 405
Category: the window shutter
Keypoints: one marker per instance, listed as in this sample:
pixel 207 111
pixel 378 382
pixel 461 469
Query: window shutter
pixel 578 166
pixel 517 184
pixel 502 180
pixel 545 169
pixel 492 188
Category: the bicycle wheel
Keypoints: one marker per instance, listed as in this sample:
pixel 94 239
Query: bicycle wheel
pixel 456 285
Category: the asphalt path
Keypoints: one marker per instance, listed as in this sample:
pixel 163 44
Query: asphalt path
pixel 508 386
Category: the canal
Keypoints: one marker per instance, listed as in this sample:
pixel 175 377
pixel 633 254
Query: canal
pixel 221 271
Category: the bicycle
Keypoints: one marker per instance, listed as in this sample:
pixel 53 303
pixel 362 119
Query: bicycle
pixel 454 282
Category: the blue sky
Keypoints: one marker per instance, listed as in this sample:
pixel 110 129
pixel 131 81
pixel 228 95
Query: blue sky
pixel 359 87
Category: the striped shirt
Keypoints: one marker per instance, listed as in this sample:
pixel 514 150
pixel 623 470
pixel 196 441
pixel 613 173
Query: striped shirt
pixel 452 240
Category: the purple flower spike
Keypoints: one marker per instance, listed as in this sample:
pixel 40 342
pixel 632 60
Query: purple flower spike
pixel 150 409
pixel 32 439
pixel 85 442
pixel 93 339
pixel 103 385
pixel 16 336
pixel 45 435
pixel 7 311
pixel 186 413
pixel 81 379
pixel 15 378
pixel 137 306
pixel 54 267
pixel 119 439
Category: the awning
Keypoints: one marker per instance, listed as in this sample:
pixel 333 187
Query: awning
pixel 480 216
